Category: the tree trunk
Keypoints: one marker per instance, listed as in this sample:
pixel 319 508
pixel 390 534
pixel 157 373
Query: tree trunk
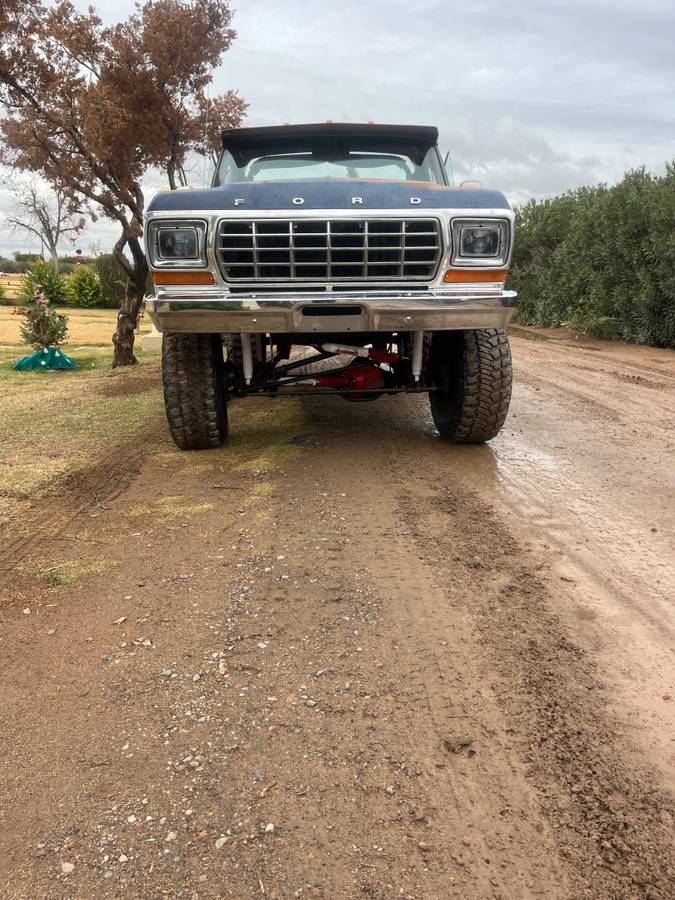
pixel 123 338
pixel 127 317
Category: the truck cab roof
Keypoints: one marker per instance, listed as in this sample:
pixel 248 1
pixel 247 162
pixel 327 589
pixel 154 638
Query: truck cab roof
pixel 329 138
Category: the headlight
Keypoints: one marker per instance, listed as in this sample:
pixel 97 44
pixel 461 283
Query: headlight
pixel 484 243
pixel 480 241
pixel 176 244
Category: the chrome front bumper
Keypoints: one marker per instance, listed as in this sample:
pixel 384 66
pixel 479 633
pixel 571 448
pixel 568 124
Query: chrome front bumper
pixel 216 311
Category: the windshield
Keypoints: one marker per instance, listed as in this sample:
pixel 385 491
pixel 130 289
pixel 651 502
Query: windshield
pixel 351 164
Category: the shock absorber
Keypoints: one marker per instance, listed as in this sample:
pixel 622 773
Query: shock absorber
pixel 417 351
pixel 246 358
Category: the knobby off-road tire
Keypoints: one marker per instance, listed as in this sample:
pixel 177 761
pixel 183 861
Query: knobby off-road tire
pixel 194 396
pixel 473 371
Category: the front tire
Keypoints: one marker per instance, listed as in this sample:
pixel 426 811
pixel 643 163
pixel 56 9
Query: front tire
pixel 194 392
pixel 473 373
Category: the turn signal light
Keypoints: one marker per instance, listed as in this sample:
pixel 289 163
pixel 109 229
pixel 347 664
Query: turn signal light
pixel 472 276
pixel 183 278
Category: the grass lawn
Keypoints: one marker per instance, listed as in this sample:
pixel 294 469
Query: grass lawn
pixel 90 327
pixel 57 424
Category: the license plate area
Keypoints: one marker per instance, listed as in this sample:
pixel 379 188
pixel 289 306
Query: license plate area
pixel 332 318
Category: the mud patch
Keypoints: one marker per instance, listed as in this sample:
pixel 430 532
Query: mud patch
pixel 612 826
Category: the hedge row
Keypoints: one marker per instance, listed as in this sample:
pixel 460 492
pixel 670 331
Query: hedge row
pixel 601 260
pixel 99 283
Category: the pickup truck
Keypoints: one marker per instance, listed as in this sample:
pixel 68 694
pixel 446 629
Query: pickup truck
pixel 332 259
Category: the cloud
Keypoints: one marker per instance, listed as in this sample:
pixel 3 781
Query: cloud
pixel 533 98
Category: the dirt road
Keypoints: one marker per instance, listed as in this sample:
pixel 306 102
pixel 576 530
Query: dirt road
pixel 341 659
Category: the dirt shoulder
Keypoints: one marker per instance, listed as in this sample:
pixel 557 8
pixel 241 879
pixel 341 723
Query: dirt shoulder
pixel 338 658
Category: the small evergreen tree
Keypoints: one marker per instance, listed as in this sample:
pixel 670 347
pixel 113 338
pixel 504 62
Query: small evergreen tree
pixel 42 326
pixel 84 288
pixel 43 278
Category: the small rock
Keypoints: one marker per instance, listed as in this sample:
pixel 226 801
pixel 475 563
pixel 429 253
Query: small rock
pixel 120 620
pixel 220 843
pixel 123 858
pixel 171 836
pixel 269 828
pixel 424 847
pixel 311 702
pixel 389 790
pixel 67 868
pixel 26 611
pixel 130 819
pixel 51 631
pixel 108 873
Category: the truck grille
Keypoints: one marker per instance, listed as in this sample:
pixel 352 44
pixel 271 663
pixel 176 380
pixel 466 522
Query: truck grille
pixel 329 249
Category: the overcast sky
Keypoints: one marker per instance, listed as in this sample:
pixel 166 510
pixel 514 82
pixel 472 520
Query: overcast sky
pixel 532 97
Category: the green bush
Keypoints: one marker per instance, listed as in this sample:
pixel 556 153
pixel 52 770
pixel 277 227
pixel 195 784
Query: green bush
pixel 601 260
pixel 84 288
pixel 12 266
pixel 2 293
pixel 43 277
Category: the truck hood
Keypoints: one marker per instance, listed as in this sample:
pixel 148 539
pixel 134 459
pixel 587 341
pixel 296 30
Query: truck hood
pixel 328 193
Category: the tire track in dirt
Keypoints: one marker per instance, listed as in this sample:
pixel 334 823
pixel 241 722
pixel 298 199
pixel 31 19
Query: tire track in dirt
pixel 601 357
pixel 76 494
pixel 612 827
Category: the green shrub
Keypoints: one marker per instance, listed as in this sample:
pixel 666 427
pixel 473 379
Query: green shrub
pixel 12 266
pixel 2 293
pixel 84 288
pixel 43 278
pixel 601 260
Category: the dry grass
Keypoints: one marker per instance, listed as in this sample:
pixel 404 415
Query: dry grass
pixel 86 327
pixel 166 509
pixel 54 425
pixel 11 285
pixel 66 573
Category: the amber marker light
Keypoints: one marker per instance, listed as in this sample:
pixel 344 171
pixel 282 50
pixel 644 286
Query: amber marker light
pixel 472 276
pixel 183 278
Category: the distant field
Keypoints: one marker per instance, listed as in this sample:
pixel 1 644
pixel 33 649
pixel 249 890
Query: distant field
pixel 90 327
pixel 11 285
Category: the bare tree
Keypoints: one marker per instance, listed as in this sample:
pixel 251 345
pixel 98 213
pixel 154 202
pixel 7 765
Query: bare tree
pixel 48 216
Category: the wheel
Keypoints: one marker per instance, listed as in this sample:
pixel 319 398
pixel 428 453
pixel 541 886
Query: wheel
pixel 194 394
pixel 473 372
